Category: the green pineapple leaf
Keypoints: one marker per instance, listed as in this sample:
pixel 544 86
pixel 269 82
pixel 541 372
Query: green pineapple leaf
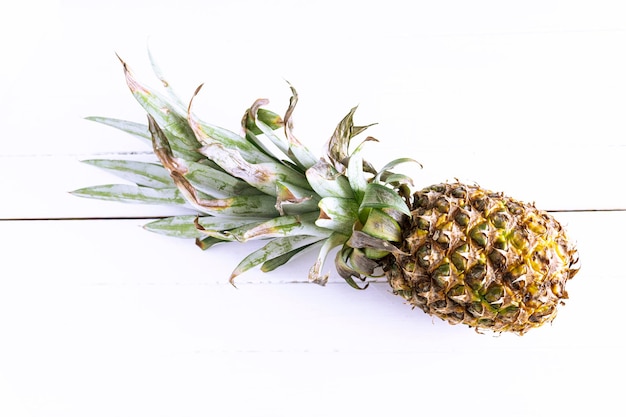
pixel 315 273
pixel 280 260
pixel 136 129
pixel 337 214
pixel 284 226
pixel 141 173
pixel 379 196
pixel 132 194
pixel 390 165
pixel 216 182
pixel 189 226
pixel 171 115
pixel 275 248
pixel 326 181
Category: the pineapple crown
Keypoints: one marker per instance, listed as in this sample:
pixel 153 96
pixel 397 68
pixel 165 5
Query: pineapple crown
pixel 244 191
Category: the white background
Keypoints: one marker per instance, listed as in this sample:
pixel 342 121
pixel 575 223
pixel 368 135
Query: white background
pixel 101 318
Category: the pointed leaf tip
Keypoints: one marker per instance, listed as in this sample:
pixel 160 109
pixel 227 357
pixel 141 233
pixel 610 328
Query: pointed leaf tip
pixel 121 60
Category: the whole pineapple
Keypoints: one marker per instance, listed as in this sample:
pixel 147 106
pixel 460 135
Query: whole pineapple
pixel 458 252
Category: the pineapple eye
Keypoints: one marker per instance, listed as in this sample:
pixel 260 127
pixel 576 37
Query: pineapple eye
pixel 557 289
pixel 538 260
pixel 456 291
pixel 511 281
pixel 500 242
pixel 497 259
pixel 541 312
pixel 479 203
pixel 441 275
pixel 514 208
pixel 423 286
pixel 456 316
pixel 409 267
pixel 515 278
pixel 462 218
pixel 519 240
pixel 458 192
pixel 478 236
pixel 475 309
pixel 510 311
pixel 442 205
pixel 475 276
pixel 537 226
pixel 420 200
pixel 423 255
pixel 494 293
pixel 458 259
pixel 486 322
pixel 438 188
pixel 499 219
pixel 443 240
pixel 423 224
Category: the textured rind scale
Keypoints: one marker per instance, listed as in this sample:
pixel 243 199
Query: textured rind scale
pixel 483 259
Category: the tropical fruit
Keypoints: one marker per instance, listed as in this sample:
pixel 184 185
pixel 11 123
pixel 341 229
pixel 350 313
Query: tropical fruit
pixel 458 252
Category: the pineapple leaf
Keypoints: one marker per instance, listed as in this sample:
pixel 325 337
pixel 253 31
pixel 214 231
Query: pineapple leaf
pixel 178 226
pixel 275 248
pixel 262 176
pixel 132 194
pixel 361 264
pixel 345 270
pixel 326 181
pixel 271 119
pixel 296 152
pixel 135 129
pixel 339 143
pixel 385 170
pixel 300 153
pixel 291 199
pixel 141 173
pixel 292 148
pixel 141 131
pixel 361 240
pixel 256 206
pixel 278 261
pixel 186 226
pixel 397 179
pixel 251 129
pixel 284 226
pixel 379 196
pixel 218 232
pixel 382 226
pixel 209 134
pixel 337 214
pixel 216 182
pixel 168 88
pixel 315 273
pixel 168 114
pixel 207 242
pixel 356 175
pixel 237 205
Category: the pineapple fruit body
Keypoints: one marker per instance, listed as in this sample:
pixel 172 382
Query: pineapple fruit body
pixel 456 251
pixel 476 257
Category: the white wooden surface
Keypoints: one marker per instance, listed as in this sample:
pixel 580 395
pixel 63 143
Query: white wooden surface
pixel 100 318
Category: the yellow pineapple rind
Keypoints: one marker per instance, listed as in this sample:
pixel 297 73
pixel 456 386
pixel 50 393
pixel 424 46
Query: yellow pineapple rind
pixel 483 259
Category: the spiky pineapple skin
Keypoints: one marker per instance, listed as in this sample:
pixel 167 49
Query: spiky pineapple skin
pixel 483 259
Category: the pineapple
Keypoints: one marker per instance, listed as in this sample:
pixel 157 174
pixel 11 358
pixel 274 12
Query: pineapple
pixel 456 251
